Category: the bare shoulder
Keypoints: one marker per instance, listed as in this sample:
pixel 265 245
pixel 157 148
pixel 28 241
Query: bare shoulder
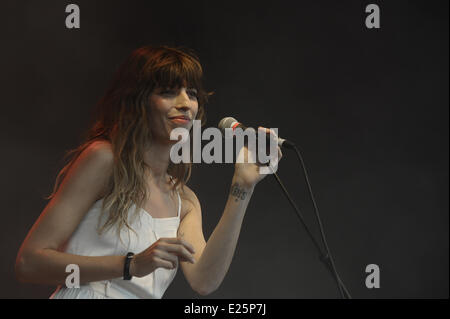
pixel 101 150
pixel 81 186
pixel 91 171
pixel 98 154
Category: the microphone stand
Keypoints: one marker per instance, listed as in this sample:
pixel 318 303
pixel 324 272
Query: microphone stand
pixel 326 257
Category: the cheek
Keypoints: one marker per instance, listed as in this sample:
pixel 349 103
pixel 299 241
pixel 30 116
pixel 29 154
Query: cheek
pixel 195 110
pixel 158 106
pixel 158 110
pixel 157 114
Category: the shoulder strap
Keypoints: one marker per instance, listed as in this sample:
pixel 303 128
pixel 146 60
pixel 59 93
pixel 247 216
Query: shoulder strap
pixel 179 204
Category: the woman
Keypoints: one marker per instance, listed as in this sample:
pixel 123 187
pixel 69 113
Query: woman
pixel 121 211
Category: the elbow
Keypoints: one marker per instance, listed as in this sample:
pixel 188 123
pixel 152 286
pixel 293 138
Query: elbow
pixel 20 269
pixel 23 268
pixel 202 282
pixel 205 290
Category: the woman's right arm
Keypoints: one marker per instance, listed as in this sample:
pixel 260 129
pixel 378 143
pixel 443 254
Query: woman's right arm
pixel 38 260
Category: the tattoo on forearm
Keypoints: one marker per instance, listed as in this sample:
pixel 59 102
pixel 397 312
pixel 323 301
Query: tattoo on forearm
pixel 238 192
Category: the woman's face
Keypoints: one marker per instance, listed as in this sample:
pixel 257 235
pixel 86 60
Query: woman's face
pixel 171 108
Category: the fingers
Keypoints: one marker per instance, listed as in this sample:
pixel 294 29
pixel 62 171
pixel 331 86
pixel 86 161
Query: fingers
pixel 166 257
pixel 179 241
pixel 246 155
pixel 272 133
pixel 178 250
pixel 164 253
pixel 273 136
pixel 163 263
pixel 178 247
pixel 249 154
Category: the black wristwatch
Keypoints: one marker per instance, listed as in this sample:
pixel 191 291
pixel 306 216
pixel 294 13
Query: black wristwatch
pixel 126 267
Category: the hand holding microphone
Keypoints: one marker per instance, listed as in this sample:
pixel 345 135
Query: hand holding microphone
pixel 230 122
pixel 248 168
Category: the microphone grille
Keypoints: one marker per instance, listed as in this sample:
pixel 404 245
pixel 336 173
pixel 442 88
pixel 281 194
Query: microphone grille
pixel 226 122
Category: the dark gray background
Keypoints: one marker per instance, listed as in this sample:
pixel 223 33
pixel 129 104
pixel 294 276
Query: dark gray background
pixel 369 109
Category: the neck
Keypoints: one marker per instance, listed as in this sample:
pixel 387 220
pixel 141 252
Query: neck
pixel 157 157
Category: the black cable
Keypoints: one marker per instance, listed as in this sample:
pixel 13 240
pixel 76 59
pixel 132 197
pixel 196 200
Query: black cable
pixel 300 216
pixel 322 233
pixel 326 258
pixel 323 257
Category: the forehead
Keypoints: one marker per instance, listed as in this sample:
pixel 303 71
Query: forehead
pixel 173 76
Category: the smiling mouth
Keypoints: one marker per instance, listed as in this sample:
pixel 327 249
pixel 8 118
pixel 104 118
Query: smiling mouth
pixel 185 118
pixel 180 120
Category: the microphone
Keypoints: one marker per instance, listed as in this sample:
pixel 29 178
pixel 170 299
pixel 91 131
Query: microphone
pixel 230 122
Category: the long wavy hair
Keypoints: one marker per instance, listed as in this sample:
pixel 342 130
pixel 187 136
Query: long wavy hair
pixel 121 117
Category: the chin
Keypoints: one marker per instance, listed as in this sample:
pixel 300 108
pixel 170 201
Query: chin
pixel 187 126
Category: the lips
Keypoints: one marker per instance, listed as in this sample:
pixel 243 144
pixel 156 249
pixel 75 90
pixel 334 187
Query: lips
pixel 180 120
pixel 181 117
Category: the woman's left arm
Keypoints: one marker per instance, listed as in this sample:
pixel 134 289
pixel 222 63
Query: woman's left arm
pixel 213 258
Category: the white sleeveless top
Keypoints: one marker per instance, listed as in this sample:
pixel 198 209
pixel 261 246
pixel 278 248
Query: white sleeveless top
pixel 85 241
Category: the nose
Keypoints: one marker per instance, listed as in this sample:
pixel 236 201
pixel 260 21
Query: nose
pixel 183 108
pixel 182 101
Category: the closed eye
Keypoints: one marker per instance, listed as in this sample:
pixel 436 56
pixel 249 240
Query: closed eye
pixel 193 92
pixel 167 92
